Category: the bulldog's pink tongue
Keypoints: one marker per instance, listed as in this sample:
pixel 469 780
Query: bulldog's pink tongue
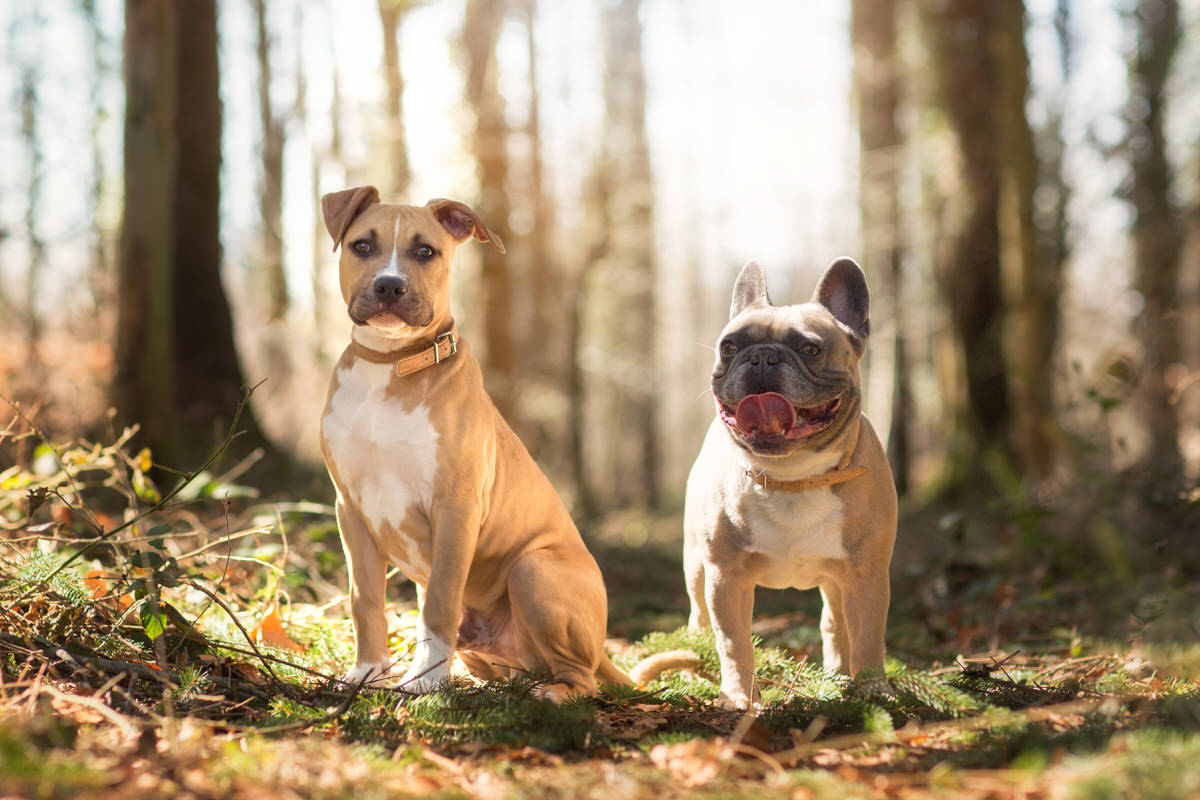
pixel 768 413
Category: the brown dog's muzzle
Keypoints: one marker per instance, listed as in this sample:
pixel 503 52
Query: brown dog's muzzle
pixel 390 294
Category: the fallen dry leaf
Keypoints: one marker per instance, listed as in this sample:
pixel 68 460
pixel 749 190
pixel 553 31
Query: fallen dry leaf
pixel 692 763
pixel 270 631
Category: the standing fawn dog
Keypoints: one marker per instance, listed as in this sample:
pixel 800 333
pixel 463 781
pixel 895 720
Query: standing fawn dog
pixel 431 479
pixel 791 487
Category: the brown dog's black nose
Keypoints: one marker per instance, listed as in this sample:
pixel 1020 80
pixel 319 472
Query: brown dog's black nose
pixel 390 287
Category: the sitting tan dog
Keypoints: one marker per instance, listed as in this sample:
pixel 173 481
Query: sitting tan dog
pixel 431 479
pixel 791 487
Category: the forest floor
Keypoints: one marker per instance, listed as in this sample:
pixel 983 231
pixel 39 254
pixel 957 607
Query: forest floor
pixel 186 643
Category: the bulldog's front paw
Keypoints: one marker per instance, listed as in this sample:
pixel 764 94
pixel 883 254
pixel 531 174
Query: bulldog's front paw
pixel 735 700
pixel 368 673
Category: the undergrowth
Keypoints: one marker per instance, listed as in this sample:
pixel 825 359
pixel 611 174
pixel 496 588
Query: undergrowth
pixel 137 618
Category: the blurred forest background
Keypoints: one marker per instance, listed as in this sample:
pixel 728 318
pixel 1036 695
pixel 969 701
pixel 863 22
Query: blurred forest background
pixel 1021 182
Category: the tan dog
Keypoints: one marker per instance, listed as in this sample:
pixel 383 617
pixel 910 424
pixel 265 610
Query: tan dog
pixel 431 479
pixel 791 487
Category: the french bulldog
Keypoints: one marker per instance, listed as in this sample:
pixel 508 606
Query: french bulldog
pixel 791 487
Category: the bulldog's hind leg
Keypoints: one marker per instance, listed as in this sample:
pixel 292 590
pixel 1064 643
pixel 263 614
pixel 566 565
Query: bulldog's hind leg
pixel 559 609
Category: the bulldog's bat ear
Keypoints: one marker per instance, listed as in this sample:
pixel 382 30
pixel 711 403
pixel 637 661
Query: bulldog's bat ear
pixel 340 208
pixel 843 290
pixel 749 290
pixel 461 222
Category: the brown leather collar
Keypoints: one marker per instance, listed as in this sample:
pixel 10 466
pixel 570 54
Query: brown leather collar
pixel 840 474
pixel 413 359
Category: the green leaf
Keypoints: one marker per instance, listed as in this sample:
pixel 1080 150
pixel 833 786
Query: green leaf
pixel 150 559
pixel 154 618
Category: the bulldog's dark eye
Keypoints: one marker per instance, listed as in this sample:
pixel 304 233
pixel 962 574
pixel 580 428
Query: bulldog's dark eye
pixel 362 247
pixel 728 349
pixel 810 349
pixel 423 252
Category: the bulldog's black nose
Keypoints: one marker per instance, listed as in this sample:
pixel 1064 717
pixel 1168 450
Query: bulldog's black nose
pixel 390 287
pixel 764 358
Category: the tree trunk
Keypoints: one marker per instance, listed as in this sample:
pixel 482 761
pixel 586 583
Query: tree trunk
pixel 271 193
pixel 481 29
pixel 177 368
pixel 391 14
pixel 209 380
pixel 545 282
pixel 877 82
pixel 1157 229
pixel 31 135
pixel 967 272
pixel 145 297
pixel 626 296
pixel 1032 286
pixel 99 270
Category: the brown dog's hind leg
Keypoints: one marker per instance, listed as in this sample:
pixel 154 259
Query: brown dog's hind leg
pixel 559 611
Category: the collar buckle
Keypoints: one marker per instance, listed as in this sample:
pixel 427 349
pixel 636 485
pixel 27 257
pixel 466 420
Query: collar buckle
pixel 451 339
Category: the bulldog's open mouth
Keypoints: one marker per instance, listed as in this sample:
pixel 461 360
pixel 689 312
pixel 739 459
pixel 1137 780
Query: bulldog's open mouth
pixel 771 417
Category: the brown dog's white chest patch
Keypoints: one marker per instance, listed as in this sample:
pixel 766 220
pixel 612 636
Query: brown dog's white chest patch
pixel 385 456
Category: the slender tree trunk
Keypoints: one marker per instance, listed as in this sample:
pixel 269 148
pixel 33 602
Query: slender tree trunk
pixel 877 82
pixel 99 277
pixel 961 40
pixel 626 294
pixel 545 282
pixel 1032 286
pixel 481 29
pixel 271 193
pixel 208 377
pixel 145 297
pixel 31 135
pixel 1157 228
pixel 391 14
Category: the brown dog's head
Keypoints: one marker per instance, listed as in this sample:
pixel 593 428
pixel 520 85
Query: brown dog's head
pixel 395 264
pixel 787 377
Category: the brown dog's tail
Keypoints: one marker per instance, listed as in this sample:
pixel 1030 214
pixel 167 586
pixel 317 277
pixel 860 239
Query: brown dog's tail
pixel 651 667
pixel 607 672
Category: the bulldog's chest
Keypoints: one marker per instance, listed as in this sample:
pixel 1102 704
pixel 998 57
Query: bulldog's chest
pixel 795 533
pixel 384 454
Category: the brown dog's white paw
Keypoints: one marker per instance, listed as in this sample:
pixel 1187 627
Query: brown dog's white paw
pixel 557 693
pixel 369 674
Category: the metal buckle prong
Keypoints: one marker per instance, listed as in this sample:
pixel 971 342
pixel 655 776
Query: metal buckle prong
pixel 437 346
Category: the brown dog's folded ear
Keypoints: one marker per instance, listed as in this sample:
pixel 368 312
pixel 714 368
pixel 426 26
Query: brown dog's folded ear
pixel 461 221
pixel 843 290
pixel 340 208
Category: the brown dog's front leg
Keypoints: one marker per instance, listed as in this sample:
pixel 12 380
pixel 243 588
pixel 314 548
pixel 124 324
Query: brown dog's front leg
pixel 455 532
pixel 731 608
pixel 367 585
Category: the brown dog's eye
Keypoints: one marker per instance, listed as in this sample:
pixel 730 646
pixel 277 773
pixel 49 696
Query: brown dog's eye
pixel 423 252
pixel 728 349
pixel 810 350
pixel 362 247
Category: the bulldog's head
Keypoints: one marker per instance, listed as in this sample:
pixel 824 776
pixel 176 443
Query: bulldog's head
pixel 787 377
pixel 395 264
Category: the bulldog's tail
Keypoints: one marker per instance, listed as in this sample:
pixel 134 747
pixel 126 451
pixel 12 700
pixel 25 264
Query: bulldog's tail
pixel 651 667
pixel 607 672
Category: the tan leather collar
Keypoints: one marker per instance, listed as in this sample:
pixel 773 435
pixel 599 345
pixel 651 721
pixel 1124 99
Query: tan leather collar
pixel 840 474
pixel 413 359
